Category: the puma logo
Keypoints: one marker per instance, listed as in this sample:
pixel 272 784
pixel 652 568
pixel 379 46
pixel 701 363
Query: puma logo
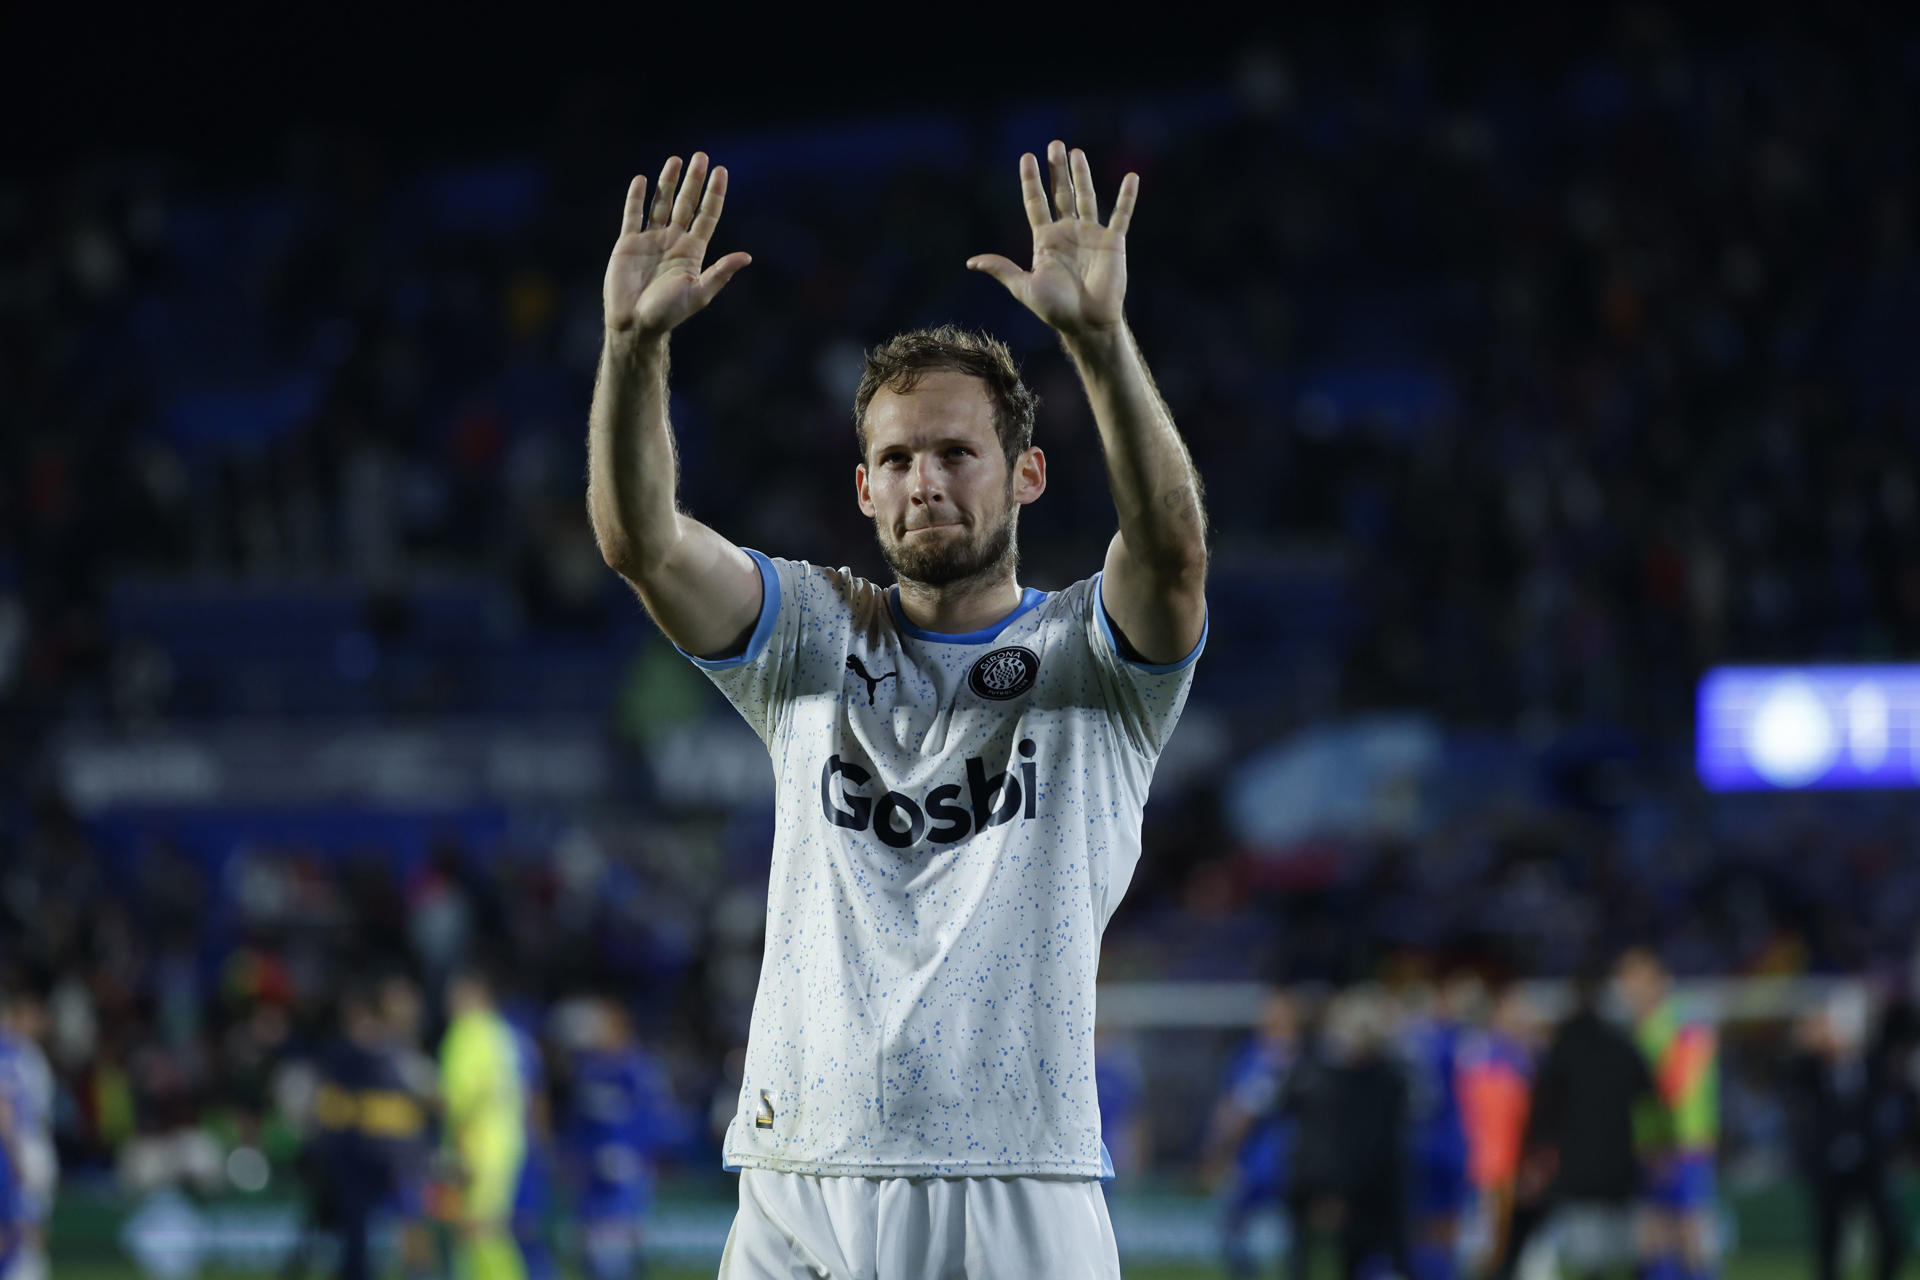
pixel 873 682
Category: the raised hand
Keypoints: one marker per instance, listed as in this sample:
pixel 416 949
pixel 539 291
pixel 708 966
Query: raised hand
pixel 1079 276
pixel 654 280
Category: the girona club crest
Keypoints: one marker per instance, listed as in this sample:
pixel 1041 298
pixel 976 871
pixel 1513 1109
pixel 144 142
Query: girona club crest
pixel 1004 673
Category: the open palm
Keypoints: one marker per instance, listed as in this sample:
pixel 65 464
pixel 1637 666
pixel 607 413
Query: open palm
pixel 1078 282
pixel 654 279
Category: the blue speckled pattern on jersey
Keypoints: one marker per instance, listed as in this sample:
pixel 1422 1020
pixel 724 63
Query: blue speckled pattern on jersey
pixel 926 998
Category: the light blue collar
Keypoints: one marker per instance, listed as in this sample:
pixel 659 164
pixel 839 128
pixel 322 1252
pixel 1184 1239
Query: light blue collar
pixel 1032 597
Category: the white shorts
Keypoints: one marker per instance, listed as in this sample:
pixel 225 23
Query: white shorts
pixel 794 1226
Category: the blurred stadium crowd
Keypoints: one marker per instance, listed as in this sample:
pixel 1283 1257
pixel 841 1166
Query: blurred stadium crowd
pixel 1524 391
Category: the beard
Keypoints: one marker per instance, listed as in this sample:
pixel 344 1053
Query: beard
pixel 949 558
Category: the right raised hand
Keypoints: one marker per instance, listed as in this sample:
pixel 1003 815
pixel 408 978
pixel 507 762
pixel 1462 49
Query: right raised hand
pixel 654 280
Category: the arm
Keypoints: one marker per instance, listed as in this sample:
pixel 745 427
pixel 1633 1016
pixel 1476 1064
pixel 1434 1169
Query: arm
pixel 1154 584
pixel 1225 1132
pixel 702 591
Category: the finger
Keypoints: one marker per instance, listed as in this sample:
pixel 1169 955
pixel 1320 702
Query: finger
pixel 1123 203
pixel 1002 269
pixel 1032 194
pixel 689 198
pixel 634 219
pixel 715 277
pixel 1062 182
pixel 710 205
pixel 663 193
pixel 1084 203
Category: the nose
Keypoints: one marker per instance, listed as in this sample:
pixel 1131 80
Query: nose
pixel 926 490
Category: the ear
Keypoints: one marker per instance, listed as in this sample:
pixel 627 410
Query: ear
pixel 1029 476
pixel 860 493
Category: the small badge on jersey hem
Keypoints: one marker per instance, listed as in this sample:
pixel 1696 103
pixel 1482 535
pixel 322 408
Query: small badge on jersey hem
pixel 1005 673
pixel 763 1118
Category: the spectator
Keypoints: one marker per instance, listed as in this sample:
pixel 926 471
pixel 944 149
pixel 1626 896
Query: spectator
pixel 365 1123
pixel 1249 1131
pixel 1371 1116
pixel 1851 1115
pixel 1310 1101
pixel 1682 1051
pixel 480 1079
pixel 1580 1161
pixel 1496 1066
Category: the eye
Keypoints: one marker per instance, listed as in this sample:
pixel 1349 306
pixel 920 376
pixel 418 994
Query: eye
pixel 960 450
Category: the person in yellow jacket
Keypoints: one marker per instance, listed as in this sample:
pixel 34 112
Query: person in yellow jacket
pixel 480 1086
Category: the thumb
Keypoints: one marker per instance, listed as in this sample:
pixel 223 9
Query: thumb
pixel 999 268
pixel 715 277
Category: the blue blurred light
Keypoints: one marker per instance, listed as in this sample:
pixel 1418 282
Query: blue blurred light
pixel 1809 728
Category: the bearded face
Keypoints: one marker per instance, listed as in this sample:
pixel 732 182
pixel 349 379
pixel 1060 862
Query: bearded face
pixel 939 555
pixel 936 481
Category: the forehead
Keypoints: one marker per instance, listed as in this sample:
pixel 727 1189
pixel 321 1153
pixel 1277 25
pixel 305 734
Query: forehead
pixel 944 404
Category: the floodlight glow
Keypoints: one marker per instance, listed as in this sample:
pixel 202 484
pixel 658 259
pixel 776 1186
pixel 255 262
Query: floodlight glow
pixel 1813 728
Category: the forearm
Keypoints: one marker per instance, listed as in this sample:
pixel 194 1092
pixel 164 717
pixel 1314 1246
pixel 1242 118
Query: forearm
pixel 1155 488
pixel 702 591
pixel 632 472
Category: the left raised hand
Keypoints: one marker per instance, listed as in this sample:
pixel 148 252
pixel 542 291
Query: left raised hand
pixel 1079 276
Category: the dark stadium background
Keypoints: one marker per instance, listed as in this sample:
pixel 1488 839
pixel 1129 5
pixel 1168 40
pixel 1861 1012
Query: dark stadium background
pixel 1535 363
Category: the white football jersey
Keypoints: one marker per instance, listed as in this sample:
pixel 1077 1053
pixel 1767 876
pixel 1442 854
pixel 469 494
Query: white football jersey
pixel 956 817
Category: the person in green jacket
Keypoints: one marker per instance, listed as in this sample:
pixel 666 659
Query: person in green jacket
pixel 1682 1050
pixel 485 1128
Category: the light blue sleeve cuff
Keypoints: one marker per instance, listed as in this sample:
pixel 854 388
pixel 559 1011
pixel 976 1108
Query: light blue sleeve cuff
pixel 1113 641
pixel 769 610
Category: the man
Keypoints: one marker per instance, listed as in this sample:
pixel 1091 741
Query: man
pixel 533 1189
pixel 1851 1115
pixel 1120 1082
pixel 1430 1040
pixel 1581 1144
pixel 1495 1075
pixel 1312 1105
pixel 402 1016
pixel 1372 1116
pixel 1250 1130
pixel 26 1131
pixel 960 762
pixel 365 1122
pixel 486 1131
pixel 1679 1241
pixel 622 1116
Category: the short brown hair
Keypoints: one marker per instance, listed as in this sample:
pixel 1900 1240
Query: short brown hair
pixel 901 361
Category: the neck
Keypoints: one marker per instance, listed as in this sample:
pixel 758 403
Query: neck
pixel 955 608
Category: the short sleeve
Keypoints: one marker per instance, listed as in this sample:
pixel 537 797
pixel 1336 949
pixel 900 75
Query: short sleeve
pixel 1146 697
pixel 755 680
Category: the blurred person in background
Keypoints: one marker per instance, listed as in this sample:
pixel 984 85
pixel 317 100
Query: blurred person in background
pixel 403 1023
pixel 13 1221
pixel 1120 1079
pixel 1249 1141
pixel 26 1129
pixel 1496 1065
pixel 1679 1235
pixel 1851 1112
pixel 485 1128
pixel 622 1115
pixel 1440 1191
pixel 364 1121
pixel 1370 1103
pixel 1314 1179
pixel 1582 1153
pixel 533 1191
